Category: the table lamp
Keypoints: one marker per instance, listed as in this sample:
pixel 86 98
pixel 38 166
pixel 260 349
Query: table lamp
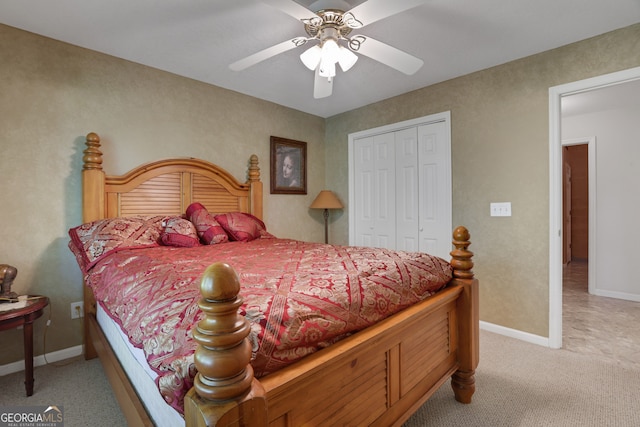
pixel 326 200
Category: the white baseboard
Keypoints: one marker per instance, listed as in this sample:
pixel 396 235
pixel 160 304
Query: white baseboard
pixel 55 356
pixel 618 295
pixel 514 333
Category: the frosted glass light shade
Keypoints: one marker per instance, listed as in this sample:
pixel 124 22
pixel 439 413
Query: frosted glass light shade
pixel 330 51
pixel 346 58
pixel 311 57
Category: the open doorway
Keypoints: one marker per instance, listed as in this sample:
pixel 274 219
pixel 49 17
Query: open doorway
pixel 598 319
pixel 557 97
pixel 575 243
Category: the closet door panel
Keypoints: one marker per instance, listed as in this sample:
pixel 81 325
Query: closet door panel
pixel 364 191
pixel 384 191
pixel 374 191
pixel 434 171
pixel 407 219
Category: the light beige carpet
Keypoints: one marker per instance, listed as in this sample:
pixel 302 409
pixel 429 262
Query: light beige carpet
pixel 522 384
pixel 518 384
pixel 79 387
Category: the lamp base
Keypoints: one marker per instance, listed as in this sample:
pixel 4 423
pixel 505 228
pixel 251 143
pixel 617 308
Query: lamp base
pixel 326 225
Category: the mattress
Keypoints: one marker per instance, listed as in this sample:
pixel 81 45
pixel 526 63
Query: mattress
pixel 140 374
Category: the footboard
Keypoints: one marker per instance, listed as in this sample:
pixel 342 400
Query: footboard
pixel 378 376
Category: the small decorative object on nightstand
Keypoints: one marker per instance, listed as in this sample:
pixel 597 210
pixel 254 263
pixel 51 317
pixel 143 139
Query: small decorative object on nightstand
pixel 23 313
pixel 7 274
pixel 326 200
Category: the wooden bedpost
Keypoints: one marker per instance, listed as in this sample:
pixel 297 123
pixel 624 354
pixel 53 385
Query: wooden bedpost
pixel 92 209
pixel 225 393
pixel 92 180
pixel 256 187
pixel 463 380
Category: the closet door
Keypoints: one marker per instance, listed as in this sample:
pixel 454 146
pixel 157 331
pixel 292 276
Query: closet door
pixel 374 185
pixel 400 186
pixel 407 190
pixel 434 176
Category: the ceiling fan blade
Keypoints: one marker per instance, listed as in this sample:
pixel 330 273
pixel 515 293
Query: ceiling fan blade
pixel 292 8
pixel 265 54
pixel 388 55
pixel 374 10
pixel 322 86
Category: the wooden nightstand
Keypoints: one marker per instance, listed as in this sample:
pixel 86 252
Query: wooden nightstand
pixel 24 316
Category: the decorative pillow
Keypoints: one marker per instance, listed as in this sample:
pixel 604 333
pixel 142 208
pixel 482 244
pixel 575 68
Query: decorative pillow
pixel 241 226
pixel 179 232
pixel 79 258
pixel 97 239
pixel 207 227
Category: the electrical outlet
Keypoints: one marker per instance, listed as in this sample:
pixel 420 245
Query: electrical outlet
pixel 77 310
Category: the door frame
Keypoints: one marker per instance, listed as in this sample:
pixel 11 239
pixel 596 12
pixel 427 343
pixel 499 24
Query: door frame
pixel 555 190
pixel 432 118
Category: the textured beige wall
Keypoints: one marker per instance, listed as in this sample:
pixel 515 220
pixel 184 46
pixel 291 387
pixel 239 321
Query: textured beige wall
pixel 500 152
pixel 53 94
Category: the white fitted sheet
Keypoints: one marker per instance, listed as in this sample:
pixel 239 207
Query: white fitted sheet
pixel 139 372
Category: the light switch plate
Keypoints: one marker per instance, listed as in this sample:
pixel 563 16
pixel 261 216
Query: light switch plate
pixel 501 209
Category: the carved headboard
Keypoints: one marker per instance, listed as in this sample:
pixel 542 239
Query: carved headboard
pixel 165 187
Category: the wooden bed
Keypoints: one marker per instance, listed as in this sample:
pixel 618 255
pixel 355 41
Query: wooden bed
pixel 378 376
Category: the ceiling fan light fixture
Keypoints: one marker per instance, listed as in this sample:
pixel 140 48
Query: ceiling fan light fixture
pixel 327 25
pixel 346 58
pixel 311 57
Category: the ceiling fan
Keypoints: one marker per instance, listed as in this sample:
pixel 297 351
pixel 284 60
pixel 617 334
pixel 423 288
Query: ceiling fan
pixel 331 26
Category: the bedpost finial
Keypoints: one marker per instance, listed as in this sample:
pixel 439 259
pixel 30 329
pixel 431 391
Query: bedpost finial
pixel 219 282
pixel 224 352
pixel 461 233
pixel 92 158
pixel 254 169
pixel 461 255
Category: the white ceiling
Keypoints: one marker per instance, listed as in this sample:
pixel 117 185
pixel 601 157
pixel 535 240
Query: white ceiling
pixel 200 38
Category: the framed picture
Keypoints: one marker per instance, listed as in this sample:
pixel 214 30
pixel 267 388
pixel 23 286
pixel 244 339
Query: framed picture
pixel 288 166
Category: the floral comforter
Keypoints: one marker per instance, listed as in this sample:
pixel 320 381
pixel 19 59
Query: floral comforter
pixel 299 297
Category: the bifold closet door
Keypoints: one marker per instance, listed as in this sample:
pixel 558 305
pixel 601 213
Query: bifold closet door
pixel 407 190
pixel 375 210
pixel 434 181
pixel 402 189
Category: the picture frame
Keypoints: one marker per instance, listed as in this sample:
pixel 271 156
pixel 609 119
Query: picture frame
pixel 288 166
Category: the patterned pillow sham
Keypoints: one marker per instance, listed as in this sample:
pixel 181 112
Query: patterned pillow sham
pixel 242 227
pixel 208 229
pixel 94 240
pixel 179 232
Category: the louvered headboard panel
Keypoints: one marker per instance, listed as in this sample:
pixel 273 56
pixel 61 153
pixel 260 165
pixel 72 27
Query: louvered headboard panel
pixel 161 195
pixel 165 187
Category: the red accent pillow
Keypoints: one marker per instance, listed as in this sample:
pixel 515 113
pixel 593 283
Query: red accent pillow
pixel 179 232
pixel 97 239
pixel 208 229
pixel 241 226
pixel 82 263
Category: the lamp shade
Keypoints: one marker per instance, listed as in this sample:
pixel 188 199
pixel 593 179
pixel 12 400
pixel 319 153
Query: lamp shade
pixel 326 200
pixel 311 57
pixel 346 59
